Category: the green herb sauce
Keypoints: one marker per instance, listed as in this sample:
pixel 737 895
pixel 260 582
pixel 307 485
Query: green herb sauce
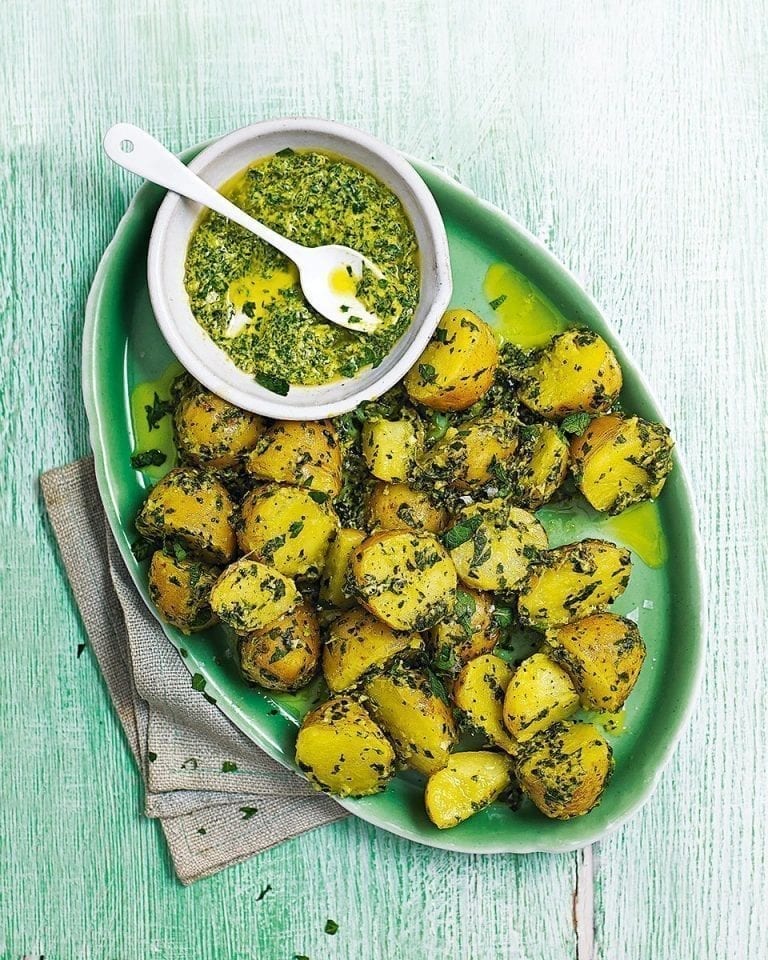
pixel 246 295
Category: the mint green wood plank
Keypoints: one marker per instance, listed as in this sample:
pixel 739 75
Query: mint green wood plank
pixel 83 874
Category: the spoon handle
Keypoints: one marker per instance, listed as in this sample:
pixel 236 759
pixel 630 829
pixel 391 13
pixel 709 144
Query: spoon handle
pixel 135 150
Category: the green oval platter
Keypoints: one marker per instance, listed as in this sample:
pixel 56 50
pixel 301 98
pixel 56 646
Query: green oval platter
pixel 124 347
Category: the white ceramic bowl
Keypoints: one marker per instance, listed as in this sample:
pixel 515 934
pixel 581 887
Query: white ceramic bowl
pixel 177 217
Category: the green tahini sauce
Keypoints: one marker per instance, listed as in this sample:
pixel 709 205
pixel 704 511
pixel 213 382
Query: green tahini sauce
pixel 247 296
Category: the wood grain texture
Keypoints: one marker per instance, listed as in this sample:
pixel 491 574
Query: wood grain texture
pixel 632 139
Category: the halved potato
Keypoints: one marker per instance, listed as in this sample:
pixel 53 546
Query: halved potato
pixel 572 582
pixel 603 655
pixel 342 751
pixel 191 506
pixel 285 654
pixel 577 371
pixel 503 541
pixel 211 432
pixel 619 461
pixel 305 453
pixel 542 464
pixel 249 596
pixel 565 768
pixel 333 590
pixel 467 632
pixel 479 693
pixel 390 447
pixel 469 783
pixel 458 365
pixel 180 588
pixel 539 693
pixel 396 506
pixel 405 579
pixel 419 723
pixel 286 528
pixel 466 455
pixel 357 643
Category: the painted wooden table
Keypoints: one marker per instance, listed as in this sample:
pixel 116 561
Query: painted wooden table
pixel 630 137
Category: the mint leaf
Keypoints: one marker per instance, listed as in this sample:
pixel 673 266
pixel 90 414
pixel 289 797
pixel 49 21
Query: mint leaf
pixel 575 423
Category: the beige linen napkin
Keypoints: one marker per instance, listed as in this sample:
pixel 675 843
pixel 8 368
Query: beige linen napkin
pixel 211 819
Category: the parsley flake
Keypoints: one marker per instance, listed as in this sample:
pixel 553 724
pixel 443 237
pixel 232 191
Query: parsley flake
pixel 149 458
pixel 274 384
pixel 331 926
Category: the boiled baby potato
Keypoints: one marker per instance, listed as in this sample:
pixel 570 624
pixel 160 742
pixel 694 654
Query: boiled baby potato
pixel 479 693
pixel 212 432
pixel 572 582
pixel 565 768
pixel 542 464
pixel 405 579
pixel 468 631
pixel 286 528
pixel 466 455
pixel 333 589
pixel 458 365
pixel 342 751
pixel 502 540
pixel 357 643
pixel 396 506
pixel 618 461
pixel 191 506
pixel 249 596
pixel 539 693
pixel 285 654
pixel 180 588
pixel 577 371
pixel 603 654
pixel 302 452
pixel 469 783
pixel 390 447
pixel 419 722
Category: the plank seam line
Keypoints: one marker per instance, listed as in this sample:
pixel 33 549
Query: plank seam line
pixel 584 904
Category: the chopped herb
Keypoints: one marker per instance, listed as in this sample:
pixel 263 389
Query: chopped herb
pixel 178 550
pixel 274 384
pixel 300 956
pixel 461 532
pixel 427 372
pixel 295 528
pixel 198 682
pixel 503 617
pixel 149 458
pixel 495 304
pixel 201 831
pixel 575 423
pixel 285 152
pixel 189 764
pixel 151 756
pixel 331 926
pixel 229 766
pixel 436 686
pixel 318 496
pixel 142 549
pixel 264 892
pixel 80 648
pixel 156 411
pixel 210 699
pixel 463 611
pixel 248 812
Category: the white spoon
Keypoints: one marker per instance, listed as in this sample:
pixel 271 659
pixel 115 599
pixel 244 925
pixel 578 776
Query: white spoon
pixel 319 267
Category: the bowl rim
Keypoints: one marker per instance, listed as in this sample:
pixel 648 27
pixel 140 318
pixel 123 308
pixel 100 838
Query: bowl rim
pixel 260 400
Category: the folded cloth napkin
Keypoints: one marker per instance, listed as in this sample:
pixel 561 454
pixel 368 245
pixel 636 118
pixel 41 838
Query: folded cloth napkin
pixel 210 818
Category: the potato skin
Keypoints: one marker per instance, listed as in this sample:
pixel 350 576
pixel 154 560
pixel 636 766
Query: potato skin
pixel 286 528
pixel 181 591
pixel 390 447
pixel 419 724
pixel 541 464
pixel 465 456
pixel 211 432
pixel 285 654
pixel 467 632
pixel 305 453
pixel 359 643
pixel 342 751
pixel 501 548
pixel 539 693
pixel 191 506
pixel 249 596
pixel 565 769
pixel 470 782
pixel 405 579
pixel 479 693
pixel 572 582
pixel 457 367
pixel 603 654
pixel 618 461
pixel 333 590
pixel 396 506
pixel 576 372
